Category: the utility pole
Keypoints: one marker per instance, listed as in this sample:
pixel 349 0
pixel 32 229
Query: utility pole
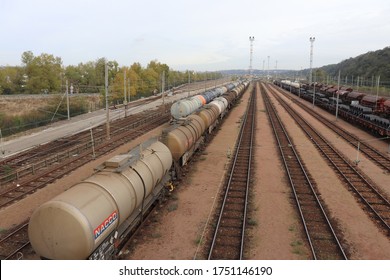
pixel 163 87
pixel 268 68
pixel 357 84
pixel 2 152
pixel 129 90
pixel 124 92
pixel 205 81
pixel 107 109
pixel 92 144
pixel 377 93
pixel 337 96
pixel 276 69
pixel 251 39
pixel 189 81
pixel 67 99
pixel 263 67
pixel 314 90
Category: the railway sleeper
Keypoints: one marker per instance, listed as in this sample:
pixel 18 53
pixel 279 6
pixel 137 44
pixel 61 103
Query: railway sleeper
pixel 306 205
pixel 304 193
pixel 239 180
pixel 237 191
pixel 320 238
pixel 230 231
pixel 239 207
pixel 231 221
pixel 228 241
pixel 224 254
pixel 314 216
pixel 235 199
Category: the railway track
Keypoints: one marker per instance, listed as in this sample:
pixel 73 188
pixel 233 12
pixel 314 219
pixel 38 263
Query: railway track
pixel 375 205
pixel 15 244
pixel 321 236
pixel 51 172
pixel 376 156
pixel 228 239
pixel 31 161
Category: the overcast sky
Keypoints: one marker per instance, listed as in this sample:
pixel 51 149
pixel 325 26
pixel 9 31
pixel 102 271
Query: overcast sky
pixel 202 35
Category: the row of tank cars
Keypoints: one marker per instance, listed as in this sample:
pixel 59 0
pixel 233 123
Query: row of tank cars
pixel 92 219
pixel 368 111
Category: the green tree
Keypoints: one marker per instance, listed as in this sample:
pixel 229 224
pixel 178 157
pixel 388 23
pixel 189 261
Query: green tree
pixel 43 73
pixel 12 80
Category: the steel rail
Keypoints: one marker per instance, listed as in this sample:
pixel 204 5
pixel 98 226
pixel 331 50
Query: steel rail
pixel 380 209
pixel 378 157
pixel 301 195
pixel 230 183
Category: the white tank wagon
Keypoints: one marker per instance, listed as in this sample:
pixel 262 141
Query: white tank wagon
pixel 183 108
pixel 87 220
pixel 222 105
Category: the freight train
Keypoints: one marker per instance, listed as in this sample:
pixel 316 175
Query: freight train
pixel 369 112
pixel 185 107
pixel 92 219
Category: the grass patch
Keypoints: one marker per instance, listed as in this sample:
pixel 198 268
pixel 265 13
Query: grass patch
pixel 172 207
pixel 292 228
pixel 156 235
pixel 252 222
pixel 297 247
pixel 198 240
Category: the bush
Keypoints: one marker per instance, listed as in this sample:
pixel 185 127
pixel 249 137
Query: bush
pixel 13 124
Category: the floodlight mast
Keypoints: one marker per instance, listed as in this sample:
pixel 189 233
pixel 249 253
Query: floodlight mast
pixel 251 39
pixel 312 39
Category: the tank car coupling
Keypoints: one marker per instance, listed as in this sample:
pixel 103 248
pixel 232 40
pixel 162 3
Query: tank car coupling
pixel 170 186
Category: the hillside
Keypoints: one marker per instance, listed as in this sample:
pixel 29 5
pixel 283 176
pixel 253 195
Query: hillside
pixel 366 66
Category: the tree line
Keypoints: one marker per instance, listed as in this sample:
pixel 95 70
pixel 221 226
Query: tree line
pixel 363 70
pixel 45 73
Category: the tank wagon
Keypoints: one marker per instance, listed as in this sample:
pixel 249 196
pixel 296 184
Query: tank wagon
pixel 185 107
pixel 93 218
pixel 368 111
pixel 86 220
